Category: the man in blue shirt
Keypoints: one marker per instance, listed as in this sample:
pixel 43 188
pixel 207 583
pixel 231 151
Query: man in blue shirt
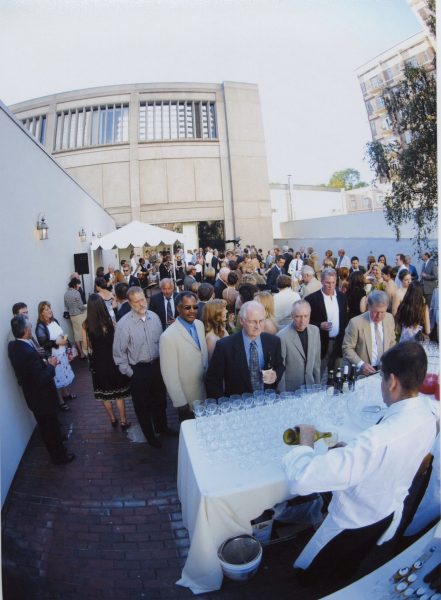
pixel 184 356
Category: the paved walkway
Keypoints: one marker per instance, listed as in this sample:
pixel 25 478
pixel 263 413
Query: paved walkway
pixel 108 526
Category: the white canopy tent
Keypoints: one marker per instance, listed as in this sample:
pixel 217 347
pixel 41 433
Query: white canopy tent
pixel 138 234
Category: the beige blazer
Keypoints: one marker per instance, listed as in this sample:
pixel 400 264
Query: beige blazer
pixel 357 343
pixel 183 365
pixel 299 369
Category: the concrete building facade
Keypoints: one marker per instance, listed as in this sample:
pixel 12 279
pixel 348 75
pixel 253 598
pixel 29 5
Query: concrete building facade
pixel 175 154
pixel 386 70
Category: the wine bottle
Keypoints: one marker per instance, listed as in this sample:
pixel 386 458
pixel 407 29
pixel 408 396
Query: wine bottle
pixel 269 361
pixel 330 383
pixel 345 382
pixel 338 382
pixel 292 436
pixel 352 378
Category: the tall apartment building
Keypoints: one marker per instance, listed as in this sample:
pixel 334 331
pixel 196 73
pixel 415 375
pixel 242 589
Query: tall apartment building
pixel 189 156
pixel 386 70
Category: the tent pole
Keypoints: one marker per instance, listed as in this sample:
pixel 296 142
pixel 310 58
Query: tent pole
pixel 92 262
pixel 173 263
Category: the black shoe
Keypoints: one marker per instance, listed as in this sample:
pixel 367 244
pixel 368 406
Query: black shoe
pixel 154 442
pixel 114 423
pixel 168 431
pixel 65 460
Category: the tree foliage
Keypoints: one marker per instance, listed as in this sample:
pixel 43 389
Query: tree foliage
pixel 348 179
pixel 410 164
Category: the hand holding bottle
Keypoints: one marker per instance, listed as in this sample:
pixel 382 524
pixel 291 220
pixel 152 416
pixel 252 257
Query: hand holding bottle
pixel 303 435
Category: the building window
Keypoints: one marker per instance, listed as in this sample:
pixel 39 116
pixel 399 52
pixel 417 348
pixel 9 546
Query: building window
pixel 92 126
pixel 407 136
pixel 36 127
pixel 373 128
pixel 369 108
pixel 353 203
pixel 388 75
pixel 177 120
pixel 386 124
pixel 366 202
pixel 380 102
pixel 412 62
pixel 375 82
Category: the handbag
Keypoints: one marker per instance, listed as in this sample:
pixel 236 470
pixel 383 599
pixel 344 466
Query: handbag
pixel 66 314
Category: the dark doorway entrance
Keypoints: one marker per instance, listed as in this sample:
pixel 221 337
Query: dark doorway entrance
pixel 211 233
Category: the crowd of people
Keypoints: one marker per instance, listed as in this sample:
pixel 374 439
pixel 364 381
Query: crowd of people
pixel 211 324
pixel 214 323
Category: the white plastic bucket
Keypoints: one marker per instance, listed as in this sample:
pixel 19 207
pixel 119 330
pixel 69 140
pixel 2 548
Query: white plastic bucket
pixel 240 557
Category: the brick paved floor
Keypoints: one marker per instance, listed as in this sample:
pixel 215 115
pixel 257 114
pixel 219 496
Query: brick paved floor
pixel 108 526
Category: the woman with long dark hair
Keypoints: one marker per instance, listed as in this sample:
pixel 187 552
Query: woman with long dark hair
pixel 51 337
pixel 355 295
pixel 108 383
pixel 412 316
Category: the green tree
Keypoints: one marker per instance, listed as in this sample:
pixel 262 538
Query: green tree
pixel 410 163
pixel 347 179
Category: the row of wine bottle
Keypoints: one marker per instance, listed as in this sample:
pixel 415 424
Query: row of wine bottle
pixel 342 382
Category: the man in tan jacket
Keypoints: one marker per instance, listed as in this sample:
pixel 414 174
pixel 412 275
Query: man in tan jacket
pixel 369 335
pixel 184 357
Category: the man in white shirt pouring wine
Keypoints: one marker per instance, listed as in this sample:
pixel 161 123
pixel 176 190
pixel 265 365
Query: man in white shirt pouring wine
pixel 369 477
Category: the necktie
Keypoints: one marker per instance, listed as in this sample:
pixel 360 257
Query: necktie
pixel 169 311
pixel 339 262
pixel 378 342
pixel 255 374
pixel 194 335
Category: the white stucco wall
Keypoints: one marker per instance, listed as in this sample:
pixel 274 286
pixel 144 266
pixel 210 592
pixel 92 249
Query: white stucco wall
pixel 34 270
pixel 359 234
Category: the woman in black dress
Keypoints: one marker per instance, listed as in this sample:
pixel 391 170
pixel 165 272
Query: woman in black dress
pixel 355 294
pixel 108 383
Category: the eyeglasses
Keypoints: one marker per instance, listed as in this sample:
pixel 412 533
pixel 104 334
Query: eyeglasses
pixel 189 307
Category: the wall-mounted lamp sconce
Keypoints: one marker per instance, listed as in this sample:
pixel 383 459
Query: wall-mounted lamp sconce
pixel 82 235
pixel 42 227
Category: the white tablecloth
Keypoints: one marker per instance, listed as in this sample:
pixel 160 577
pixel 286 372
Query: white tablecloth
pixel 220 499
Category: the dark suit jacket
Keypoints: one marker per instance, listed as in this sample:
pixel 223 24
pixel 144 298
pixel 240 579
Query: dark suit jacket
pixel 156 305
pixel 35 376
pixel 122 310
pixel 271 278
pixel 133 281
pixel 219 287
pixel 318 315
pixel 228 371
pixel 429 282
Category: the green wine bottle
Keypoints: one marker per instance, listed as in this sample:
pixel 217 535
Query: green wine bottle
pixel 292 436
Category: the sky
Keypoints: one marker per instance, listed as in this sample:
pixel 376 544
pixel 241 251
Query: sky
pixel 302 54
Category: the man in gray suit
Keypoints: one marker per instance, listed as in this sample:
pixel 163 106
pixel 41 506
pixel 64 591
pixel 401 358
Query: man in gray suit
pixel 301 349
pixel 369 335
pixel 429 277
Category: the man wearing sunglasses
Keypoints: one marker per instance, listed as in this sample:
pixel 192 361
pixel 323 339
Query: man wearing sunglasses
pixel 183 356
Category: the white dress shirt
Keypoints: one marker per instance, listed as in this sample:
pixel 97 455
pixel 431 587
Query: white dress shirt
pixel 283 302
pixel 370 477
pixel 343 261
pixel 332 313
